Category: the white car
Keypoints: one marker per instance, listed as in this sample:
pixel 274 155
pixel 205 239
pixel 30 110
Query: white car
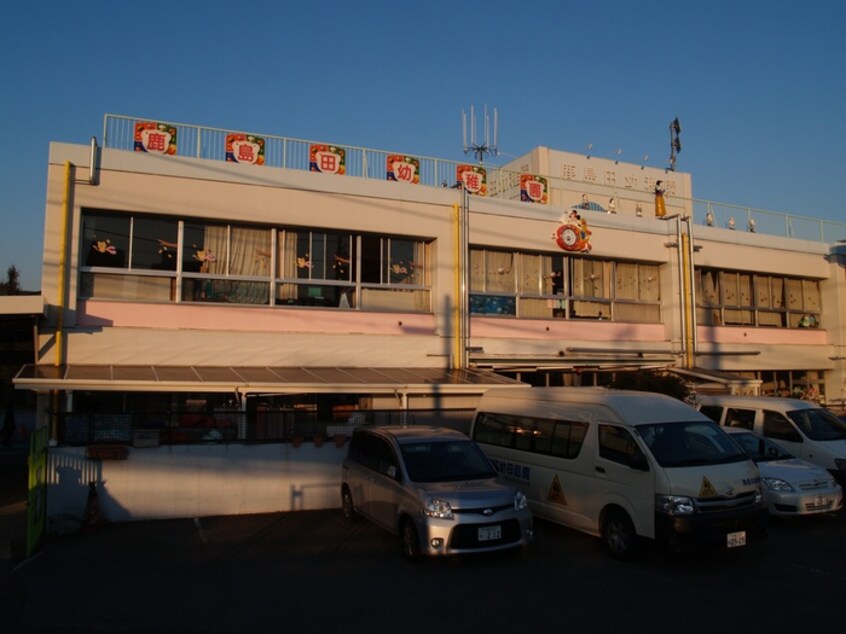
pixel 791 486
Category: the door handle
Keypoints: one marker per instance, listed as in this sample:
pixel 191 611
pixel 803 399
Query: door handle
pixel 600 469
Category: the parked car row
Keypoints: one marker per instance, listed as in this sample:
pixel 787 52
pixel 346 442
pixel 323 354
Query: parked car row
pixel 623 466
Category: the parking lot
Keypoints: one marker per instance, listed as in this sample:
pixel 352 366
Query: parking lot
pixel 313 572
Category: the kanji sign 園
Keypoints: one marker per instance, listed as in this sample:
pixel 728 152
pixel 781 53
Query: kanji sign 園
pixel 534 189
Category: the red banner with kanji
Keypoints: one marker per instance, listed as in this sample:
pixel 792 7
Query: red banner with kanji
pixel 154 137
pixel 244 148
pixel 328 159
pixel 404 169
pixel 473 178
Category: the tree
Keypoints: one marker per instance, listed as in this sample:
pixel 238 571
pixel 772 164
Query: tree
pixel 12 285
pixel 646 381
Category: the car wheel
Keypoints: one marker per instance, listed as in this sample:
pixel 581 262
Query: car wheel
pixel 409 541
pixel 347 505
pixel 618 535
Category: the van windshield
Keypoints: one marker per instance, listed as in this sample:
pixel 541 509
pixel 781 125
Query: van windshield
pixel 818 423
pixel 445 461
pixel 690 443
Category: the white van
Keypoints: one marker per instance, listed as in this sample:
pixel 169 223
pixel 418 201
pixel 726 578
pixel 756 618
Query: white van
pixel 622 465
pixel 803 428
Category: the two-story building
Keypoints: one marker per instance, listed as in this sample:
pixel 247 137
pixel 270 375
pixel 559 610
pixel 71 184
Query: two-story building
pixel 212 297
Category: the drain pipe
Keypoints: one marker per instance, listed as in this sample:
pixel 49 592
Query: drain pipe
pixel 60 301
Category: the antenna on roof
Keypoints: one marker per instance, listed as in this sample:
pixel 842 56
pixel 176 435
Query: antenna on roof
pixel 485 147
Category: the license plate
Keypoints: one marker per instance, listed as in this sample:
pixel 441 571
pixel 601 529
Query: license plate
pixel 487 533
pixel 733 540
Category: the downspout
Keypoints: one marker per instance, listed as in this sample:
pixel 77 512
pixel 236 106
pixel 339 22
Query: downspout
pixel 60 302
pixel 456 304
pixel 682 291
pixel 691 295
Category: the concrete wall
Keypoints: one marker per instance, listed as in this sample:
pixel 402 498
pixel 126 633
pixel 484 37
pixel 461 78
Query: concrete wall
pixel 195 481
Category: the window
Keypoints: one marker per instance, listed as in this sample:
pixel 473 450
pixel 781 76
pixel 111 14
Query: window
pixel 105 240
pixel 147 258
pixel 743 299
pixel 778 427
pixel 744 418
pixel 318 268
pixel 217 260
pixel 617 445
pixel 551 437
pixel 540 286
pixel 714 412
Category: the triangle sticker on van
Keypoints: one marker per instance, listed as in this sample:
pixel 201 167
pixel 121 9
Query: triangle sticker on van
pixel 556 493
pixel 707 489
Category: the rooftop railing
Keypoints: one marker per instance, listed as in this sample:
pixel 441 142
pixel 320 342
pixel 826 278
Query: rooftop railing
pixel 289 153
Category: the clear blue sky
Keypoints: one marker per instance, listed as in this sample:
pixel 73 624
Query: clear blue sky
pixel 759 86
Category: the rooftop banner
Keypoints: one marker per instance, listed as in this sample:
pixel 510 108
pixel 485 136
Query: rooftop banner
pixel 534 189
pixel 154 137
pixel 244 148
pixel 328 159
pixel 473 177
pixel 402 168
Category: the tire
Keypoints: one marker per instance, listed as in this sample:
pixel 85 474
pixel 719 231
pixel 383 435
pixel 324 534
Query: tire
pixel 618 536
pixel 347 506
pixel 409 541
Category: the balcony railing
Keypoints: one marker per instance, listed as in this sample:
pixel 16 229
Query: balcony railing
pixel 289 153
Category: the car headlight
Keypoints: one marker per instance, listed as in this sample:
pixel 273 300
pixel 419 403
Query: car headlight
pixel 520 501
pixel 674 504
pixel 777 484
pixel 439 508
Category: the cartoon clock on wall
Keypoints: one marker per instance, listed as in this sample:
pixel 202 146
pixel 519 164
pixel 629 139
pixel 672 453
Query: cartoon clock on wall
pixel 573 234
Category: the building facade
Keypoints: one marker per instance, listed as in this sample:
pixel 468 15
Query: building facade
pixel 205 310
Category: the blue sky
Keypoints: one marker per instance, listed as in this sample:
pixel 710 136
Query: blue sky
pixel 758 85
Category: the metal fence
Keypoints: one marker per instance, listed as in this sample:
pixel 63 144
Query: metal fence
pixel 284 152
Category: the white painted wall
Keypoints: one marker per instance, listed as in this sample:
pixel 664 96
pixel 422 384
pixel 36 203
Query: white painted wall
pixel 196 481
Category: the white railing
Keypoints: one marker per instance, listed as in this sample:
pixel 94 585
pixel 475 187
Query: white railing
pixel 284 152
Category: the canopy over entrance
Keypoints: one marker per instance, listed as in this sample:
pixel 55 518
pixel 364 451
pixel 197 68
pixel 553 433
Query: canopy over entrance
pixel 258 380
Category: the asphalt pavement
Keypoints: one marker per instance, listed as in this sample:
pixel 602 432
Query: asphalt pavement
pixel 314 572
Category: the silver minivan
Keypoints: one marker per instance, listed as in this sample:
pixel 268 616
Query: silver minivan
pixel 435 488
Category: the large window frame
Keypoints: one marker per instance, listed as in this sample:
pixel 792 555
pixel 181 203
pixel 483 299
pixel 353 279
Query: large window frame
pixel 546 286
pixel 741 298
pixel 140 257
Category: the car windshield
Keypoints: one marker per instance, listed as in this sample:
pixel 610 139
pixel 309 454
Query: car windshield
pixel 690 443
pixel 760 449
pixel 818 423
pixel 445 461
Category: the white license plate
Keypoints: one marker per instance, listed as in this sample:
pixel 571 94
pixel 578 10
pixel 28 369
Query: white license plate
pixel 487 533
pixel 733 540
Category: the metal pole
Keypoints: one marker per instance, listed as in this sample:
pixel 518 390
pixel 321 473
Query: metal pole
pixel 465 272
pixel 692 292
pixel 681 272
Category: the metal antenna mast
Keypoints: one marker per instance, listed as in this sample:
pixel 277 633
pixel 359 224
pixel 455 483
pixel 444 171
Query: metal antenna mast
pixel 484 148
